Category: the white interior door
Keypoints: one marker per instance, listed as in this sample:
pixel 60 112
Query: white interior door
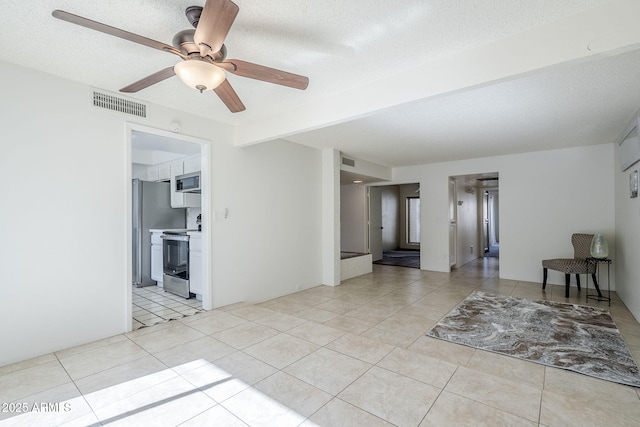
pixel 453 224
pixel 375 223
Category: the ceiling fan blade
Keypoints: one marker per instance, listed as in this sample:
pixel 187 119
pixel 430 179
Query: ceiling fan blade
pixel 107 29
pixel 149 80
pixel 214 25
pixel 266 74
pixel 229 97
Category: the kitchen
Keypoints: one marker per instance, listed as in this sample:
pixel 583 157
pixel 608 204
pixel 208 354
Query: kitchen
pixel 167 261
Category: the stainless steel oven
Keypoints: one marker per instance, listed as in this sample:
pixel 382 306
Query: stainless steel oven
pixel 175 263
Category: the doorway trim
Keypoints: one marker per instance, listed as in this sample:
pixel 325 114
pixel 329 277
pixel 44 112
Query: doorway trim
pixel 205 168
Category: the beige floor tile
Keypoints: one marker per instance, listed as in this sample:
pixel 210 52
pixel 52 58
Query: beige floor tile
pixel 395 398
pixel 374 313
pixel 339 413
pixel 250 312
pixel 396 336
pixel 306 298
pixel 228 376
pixel 316 315
pixel 510 396
pixel 169 403
pixel 246 368
pixel 365 349
pixel 217 416
pixel 453 410
pixel 281 350
pixel 293 393
pixel 188 355
pixel 566 411
pixel 419 367
pixel 443 350
pixel 281 321
pixel 508 367
pixel 100 359
pixel 328 370
pixel 599 394
pixel 90 346
pixel 245 335
pixel 63 404
pixel 284 307
pixel 29 363
pixel 166 338
pixel 339 306
pixel 350 324
pixel 211 324
pixel 316 333
pixel 257 409
pixel 107 387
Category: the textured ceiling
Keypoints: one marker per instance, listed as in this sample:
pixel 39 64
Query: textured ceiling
pixel 343 46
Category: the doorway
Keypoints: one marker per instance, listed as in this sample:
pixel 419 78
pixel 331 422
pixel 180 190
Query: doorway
pixel 474 211
pixel 151 154
pixel 395 225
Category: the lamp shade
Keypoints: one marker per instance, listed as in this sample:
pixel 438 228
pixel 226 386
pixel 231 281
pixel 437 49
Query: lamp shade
pixel 599 246
pixel 198 74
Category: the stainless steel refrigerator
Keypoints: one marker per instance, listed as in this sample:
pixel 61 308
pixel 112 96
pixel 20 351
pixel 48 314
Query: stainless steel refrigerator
pixel 151 208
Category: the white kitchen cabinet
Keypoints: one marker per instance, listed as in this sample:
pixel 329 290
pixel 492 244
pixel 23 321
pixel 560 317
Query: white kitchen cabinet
pixel 152 173
pixel 196 263
pixel 181 200
pixel 192 164
pixel 164 172
pixel 156 257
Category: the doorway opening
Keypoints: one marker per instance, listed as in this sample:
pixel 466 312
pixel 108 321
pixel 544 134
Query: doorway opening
pixel 156 158
pixel 474 218
pixel 395 224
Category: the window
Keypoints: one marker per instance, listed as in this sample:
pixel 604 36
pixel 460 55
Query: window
pixel 413 220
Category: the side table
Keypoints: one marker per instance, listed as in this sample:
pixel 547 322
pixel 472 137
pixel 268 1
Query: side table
pixel 599 296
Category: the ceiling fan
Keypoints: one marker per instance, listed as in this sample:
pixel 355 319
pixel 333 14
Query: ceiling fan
pixel 203 53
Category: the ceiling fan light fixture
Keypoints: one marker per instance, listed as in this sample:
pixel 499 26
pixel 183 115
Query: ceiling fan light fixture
pixel 199 75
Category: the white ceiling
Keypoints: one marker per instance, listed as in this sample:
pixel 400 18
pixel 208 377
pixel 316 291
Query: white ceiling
pixel 374 92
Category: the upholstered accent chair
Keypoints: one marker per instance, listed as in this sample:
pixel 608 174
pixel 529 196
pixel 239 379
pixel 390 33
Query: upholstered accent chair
pixel 577 265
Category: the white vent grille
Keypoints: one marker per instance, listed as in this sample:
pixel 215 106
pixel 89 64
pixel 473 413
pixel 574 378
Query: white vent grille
pixel 120 105
pixel 347 161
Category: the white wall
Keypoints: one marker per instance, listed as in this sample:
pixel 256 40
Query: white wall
pixel 353 219
pixel 627 241
pixel 544 198
pixel 270 245
pixel 65 275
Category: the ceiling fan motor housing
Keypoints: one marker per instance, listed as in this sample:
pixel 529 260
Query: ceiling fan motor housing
pixel 184 42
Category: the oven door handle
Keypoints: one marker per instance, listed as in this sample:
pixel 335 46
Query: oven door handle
pixel 175 237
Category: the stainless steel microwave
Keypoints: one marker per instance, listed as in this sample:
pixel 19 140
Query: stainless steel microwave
pixel 188 183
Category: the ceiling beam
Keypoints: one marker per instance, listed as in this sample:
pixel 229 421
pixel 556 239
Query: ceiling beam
pixel 606 30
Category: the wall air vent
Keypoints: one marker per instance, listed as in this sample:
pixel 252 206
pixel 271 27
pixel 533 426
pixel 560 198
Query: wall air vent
pixel 120 105
pixel 347 161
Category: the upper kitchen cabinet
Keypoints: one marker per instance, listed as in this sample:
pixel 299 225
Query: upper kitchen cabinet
pixel 161 172
pixel 191 164
pixel 180 167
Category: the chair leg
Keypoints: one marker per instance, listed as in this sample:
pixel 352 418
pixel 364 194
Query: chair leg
pixel 578 281
pixel 544 278
pixel 567 281
pixel 595 282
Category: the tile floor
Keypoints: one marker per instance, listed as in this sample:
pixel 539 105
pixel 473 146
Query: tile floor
pixel 352 355
pixel 152 305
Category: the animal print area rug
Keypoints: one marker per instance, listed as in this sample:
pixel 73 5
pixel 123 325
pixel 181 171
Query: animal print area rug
pixel 574 337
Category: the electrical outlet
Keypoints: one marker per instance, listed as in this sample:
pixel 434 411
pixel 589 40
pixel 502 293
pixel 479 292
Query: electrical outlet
pixel 471 249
